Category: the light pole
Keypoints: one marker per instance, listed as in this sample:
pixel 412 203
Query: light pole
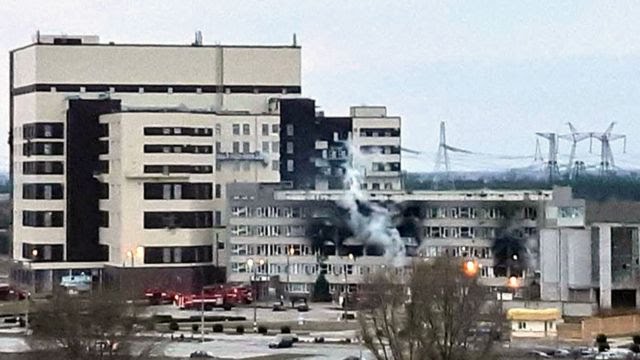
pixel 346 287
pixel 32 286
pixel 254 269
pixel 289 253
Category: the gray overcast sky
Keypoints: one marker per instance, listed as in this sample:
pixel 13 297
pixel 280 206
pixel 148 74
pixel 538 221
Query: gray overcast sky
pixel 495 71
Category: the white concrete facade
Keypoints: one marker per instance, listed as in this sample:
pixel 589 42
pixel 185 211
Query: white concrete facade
pixel 226 90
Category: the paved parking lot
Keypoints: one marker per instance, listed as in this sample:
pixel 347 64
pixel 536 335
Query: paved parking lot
pixel 317 312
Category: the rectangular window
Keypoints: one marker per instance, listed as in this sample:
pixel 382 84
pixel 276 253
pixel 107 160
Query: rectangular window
pixel 265 129
pixel 275 165
pixel 289 147
pixel 289 129
pixel 236 129
pixel 275 147
pixel 218 129
pixel 218 147
pixel 290 165
pixel 104 219
pixel 236 147
pixel 275 128
pixel 177 219
pixel 217 218
pixel 246 129
pixel 218 191
pixel 265 147
pixel 246 147
pixel 43 218
pixel 42 191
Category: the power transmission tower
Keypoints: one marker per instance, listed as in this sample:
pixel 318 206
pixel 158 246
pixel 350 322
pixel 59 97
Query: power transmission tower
pixel 552 161
pixel 537 156
pixel 607 164
pixel 575 137
pixel 443 156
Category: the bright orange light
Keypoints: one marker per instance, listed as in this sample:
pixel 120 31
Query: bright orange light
pixel 513 282
pixel 470 267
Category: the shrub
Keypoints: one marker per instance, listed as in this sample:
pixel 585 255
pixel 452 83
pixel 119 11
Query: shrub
pixel 240 329
pixel 603 344
pixel 173 326
pixel 195 327
pixel 262 330
pixel 321 289
pixel 285 330
pixel 636 339
pixel 217 328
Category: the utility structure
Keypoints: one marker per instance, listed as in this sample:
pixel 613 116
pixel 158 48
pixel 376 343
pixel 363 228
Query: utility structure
pixel 441 157
pixel 607 164
pixel 575 137
pixel 552 160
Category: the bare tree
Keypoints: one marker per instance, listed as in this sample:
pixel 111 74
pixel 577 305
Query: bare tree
pixel 441 313
pixel 84 327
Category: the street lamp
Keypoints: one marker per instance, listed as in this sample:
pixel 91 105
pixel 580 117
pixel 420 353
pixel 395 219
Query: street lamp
pixel 130 256
pixel 290 252
pixel 346 287
pixel 254 269
pixel 32 286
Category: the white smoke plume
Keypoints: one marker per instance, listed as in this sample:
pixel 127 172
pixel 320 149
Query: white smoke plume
pixel 370 222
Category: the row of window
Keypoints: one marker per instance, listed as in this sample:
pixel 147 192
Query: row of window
pixel 180 169
pixel 463 212
pixel 385 166
pixel 266 211
pixel 42 167
pixel 376 149
pixel 473 232
pixel 479 252
pixel 179 191
pixel 43 148
pixel 167 89
pixel 185 254
pixel 42 218
pixel 272 249
pixel 43 130
pixel 42 252
pixel 189 149
pixel 181 219
pixel 268 230
pixel 275 129
pixel 177 131
pixel 42 191
pixel 381 132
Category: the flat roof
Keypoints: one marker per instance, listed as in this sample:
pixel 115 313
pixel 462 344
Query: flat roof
pixel 161 45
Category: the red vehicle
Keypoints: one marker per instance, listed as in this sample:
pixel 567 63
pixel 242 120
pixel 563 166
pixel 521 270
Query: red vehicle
pixel 158 296
pixel 239 294
pixel 209 300
pixel 224 296
pixel 11 293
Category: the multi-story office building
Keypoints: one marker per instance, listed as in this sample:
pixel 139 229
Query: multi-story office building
pixel 317 151
pixel 589 254
pixel 120 153
pixel 299 233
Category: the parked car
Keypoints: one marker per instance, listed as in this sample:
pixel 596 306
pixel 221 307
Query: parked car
pixel 279 306
pixel 282 341
pixel 302 305
pixel 537 354
pixel 200 355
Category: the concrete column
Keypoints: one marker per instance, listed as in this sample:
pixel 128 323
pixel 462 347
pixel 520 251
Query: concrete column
pixel 604 241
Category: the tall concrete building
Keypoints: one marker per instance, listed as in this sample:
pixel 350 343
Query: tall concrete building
pixel 317 150
pixel 590 253
pixel 300 233
pixel 120 153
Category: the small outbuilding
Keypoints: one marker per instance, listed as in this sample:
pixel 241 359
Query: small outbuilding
pixel 534 323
